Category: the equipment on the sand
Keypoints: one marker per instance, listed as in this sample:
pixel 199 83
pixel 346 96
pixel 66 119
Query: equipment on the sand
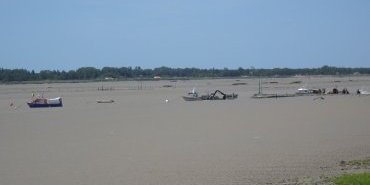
pixel 217 95
pixel 104 101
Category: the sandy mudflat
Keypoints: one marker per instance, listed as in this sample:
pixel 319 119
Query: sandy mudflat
pixel 141 140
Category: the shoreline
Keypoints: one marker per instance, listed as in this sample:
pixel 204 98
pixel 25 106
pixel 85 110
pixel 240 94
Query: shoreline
pixel 177 79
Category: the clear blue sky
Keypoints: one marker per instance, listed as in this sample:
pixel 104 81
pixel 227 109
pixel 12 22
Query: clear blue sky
pixel 67 34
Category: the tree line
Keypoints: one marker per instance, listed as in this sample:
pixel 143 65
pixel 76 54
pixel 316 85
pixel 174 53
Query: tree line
pixel 91 73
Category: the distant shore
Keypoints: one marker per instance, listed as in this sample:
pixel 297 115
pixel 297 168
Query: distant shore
pixel 171 79
pixel 92 74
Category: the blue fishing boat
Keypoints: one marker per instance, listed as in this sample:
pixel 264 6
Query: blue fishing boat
pixel 44 102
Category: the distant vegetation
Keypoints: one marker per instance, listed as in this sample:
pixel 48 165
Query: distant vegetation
pixel 91 73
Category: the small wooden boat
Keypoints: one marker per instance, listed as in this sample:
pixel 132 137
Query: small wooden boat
pixel 104 101
pixel 44 102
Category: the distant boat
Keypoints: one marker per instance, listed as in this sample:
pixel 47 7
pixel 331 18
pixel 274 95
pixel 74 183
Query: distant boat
pixel 44 102
pixel 362 92
pixel 192 96
pixel 222 96
pixel 104 101
pixel 304 91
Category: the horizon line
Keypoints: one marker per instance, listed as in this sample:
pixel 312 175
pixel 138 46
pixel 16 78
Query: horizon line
pixel 210 68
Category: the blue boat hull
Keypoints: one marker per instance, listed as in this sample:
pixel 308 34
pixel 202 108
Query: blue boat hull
pixel 32 105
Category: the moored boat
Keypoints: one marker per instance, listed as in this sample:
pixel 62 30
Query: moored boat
pixel 45 102
pixel 304 91
pixel 192 96
pixel 217 95
pixel 104 101
pixel 362 92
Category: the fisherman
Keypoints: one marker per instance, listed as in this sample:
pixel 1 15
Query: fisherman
pixel 319 91
pixel 345 91
pixel 358 91
pixel 335 91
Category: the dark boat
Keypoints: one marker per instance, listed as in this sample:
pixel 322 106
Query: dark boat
pixel 222 96
pixel 217 95
pixel 104 101
pixel 44 102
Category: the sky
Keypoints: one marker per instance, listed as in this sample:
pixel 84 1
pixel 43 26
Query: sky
pixel 68 34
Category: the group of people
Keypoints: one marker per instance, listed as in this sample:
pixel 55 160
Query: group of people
pixel 334 91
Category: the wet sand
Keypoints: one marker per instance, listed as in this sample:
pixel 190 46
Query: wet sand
pixel 140 139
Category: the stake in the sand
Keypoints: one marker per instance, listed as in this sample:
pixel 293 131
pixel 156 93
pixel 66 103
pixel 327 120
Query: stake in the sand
pixel 259 86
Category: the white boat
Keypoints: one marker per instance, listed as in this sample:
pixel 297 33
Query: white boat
pixel 362 92
pixel 303 91
pixel 192 96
